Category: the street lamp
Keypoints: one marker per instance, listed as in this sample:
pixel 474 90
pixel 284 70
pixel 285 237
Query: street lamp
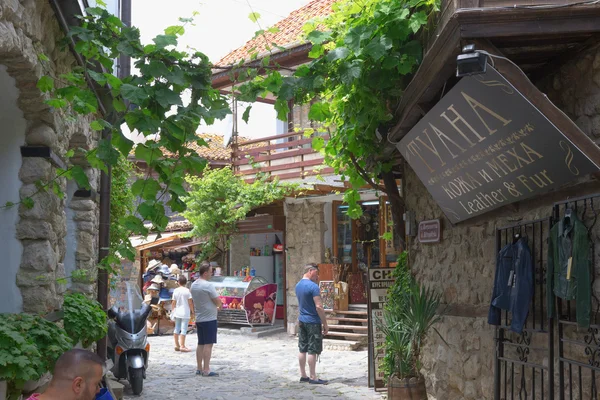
pixel 470 62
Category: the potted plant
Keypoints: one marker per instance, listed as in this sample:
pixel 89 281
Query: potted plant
pixel 409 316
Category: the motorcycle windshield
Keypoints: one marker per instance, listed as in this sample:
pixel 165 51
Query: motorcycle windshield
pixel 131 311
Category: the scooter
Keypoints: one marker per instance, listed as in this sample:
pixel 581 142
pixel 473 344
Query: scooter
pixel 128 346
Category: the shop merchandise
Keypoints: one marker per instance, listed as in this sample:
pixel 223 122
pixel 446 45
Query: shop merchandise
pixel 568 272
pixel 513 284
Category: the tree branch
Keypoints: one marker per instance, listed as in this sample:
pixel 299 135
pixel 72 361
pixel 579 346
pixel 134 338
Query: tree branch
pixel 363 174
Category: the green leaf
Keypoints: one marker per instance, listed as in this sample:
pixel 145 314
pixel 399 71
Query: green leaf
pixel 318 37
pixel 318 143
pixel 113 81
pixel 417 20
pixel 135 94
pixel 319 112
pixel 143 152
pixel 98 77
pixel 134 224
pixel 378 47
pixel 27 202
pixel 273 29
pixel 80 177
pixel 350 72
pixel 246 114
pixel 338 54
pixel 167 98
pixel 45 84
pixel 57 103
pixel 163 41
pixel 122 143
pixel 107 153
pixel 119 105
pixel 96 126
pixel 282 108
pixel 145 188
pixel 387 236
pixel 316 51
pixel 70 153
pixel 43 57
pixel 254 16
pixel 175 30
pixel 157 69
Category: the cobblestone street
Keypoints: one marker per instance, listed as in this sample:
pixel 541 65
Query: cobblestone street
pixel 251 368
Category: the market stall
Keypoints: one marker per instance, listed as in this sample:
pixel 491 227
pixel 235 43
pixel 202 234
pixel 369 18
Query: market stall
pixel 247 300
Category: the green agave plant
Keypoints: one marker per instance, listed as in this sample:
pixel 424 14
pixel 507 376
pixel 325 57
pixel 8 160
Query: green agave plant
pixel 410 315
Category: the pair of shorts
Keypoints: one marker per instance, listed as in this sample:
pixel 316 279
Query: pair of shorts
pixel 181 326
pixel 310 338
pixel 207 332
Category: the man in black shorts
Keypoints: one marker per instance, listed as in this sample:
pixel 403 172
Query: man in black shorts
pixel 312 323
pixel 206 303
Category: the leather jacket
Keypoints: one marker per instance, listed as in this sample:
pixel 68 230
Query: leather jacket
pixel 513 285
pixel 569 240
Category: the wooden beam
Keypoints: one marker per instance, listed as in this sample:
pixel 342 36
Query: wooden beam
pixel 495 23
pixel 522 83
pixel 276 156
pixel 269 138
pixel 293 143
pixel 282 167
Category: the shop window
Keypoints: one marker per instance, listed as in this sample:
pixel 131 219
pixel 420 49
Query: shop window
pixel 358 242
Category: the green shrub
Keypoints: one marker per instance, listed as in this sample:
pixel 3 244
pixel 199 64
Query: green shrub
pixel 85 321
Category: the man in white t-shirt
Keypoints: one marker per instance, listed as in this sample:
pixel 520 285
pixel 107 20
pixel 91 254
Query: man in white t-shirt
pixel 182 308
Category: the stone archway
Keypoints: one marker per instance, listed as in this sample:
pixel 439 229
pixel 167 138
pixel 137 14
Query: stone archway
pixel 28 29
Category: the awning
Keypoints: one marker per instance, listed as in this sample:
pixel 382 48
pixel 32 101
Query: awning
pixel 150 241
pixel 188 244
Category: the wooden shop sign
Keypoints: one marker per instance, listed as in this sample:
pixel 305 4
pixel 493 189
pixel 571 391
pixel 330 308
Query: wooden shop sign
pixel 484 145
pixel 430 231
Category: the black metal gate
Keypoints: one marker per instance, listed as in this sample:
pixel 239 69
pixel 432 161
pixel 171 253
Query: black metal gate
pixel 523 367
pixel 579 348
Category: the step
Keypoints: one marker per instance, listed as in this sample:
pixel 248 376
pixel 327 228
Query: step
pixel 358 307
pixel 342 345
pixel 347 334
pixel 347 319
pixel 349 312
pixel 354 327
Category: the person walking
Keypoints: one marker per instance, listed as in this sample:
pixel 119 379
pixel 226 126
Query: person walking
pixel 207 303
pixel 312 324
pixel 182 308
pixel 77 376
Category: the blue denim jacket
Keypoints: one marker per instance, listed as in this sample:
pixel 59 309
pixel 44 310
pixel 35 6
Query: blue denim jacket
pixel 513 285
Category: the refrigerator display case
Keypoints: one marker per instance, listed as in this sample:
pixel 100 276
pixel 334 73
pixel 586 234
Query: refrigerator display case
pixel 249 300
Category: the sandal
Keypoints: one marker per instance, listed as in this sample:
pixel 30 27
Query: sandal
pixel 184 350
pixel 211 374
pixel 177 349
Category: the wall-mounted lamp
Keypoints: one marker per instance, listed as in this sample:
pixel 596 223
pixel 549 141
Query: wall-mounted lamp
pixel 470 62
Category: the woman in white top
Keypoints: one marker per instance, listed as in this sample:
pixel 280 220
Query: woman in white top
pixel 182 307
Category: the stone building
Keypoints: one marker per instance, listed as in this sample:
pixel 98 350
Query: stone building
pixel 476 360
pixel 45 243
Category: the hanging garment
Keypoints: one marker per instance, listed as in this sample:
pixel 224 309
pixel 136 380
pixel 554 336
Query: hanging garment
pixel 568 272
pixel 513 285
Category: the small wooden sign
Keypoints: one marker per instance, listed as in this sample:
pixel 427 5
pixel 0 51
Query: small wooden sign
pixel 430 231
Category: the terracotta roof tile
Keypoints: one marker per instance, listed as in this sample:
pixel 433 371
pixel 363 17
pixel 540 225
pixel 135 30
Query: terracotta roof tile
pixel 290 31
pixel 215 150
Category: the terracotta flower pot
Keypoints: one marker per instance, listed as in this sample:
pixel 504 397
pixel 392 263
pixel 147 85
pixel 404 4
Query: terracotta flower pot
pixel 406 389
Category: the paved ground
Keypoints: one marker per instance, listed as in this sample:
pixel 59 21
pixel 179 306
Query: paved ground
pixel 251 368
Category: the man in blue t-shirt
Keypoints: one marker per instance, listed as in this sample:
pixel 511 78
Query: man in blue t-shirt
pixel 312 322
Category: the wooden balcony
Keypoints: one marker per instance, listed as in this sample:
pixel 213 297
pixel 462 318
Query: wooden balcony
pixel 288 156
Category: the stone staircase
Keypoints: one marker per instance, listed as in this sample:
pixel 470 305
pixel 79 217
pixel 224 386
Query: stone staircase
pixel 348 330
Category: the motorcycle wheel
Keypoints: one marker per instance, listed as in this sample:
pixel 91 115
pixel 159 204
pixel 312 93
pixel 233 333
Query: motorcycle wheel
pixel 136 380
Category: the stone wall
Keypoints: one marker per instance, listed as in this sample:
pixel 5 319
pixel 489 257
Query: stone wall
pixel 304 241
pixel 462 266
pixel 27 29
